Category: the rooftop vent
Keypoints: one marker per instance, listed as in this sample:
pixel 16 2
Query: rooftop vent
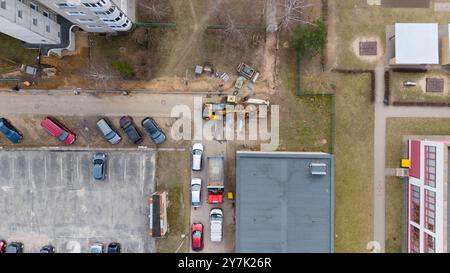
pixel 318 168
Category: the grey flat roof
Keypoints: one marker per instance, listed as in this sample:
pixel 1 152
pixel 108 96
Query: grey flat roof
pixel 280 206
pixel 416 43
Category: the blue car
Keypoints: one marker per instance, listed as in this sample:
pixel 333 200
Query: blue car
pixel 9 131
pixel 152 128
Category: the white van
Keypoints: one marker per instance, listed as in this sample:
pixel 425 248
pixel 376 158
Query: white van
pixel 196 192
pixel 197 154
pixel 216 221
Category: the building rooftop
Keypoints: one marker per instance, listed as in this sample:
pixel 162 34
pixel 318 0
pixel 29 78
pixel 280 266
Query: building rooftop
pixel 281 206
pixel 416 43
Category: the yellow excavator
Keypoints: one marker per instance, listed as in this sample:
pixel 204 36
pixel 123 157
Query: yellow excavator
pixel 216 111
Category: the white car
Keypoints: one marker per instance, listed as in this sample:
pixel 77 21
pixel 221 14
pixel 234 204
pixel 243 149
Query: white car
pixel 197 154
pixel 96 248
pixel 216 220
pixel 196 192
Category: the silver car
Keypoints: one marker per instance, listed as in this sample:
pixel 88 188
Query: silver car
pixel 111 135
pixel 96 248
pixel 99 166
pixel 196 192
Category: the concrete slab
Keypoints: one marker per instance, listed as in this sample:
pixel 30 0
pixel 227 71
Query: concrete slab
pixel 50 197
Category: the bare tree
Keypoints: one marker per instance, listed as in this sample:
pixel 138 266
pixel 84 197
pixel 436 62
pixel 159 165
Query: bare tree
pixel 232 30
pixel 292 14
pixel 156 9
pixel 101 75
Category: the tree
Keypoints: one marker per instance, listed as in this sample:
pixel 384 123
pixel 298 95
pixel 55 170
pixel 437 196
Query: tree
pixel 232 31
pixel 309 40
pixel 292 14
pixel 156 9
pixel 101 74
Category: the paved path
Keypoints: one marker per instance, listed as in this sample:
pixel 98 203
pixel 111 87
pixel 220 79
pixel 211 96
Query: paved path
pixel 65 103
pixel 382 113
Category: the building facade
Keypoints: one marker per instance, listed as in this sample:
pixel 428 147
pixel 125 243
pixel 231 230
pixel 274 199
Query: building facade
pixel 93 15
pixel 427 213
pixel 36 21
pixel 29 21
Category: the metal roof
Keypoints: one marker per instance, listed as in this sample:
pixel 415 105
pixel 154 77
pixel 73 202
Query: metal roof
pixel 416 43
pixel 281 206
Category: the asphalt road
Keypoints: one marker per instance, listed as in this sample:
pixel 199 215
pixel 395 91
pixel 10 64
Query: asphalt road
pixel 90 103
pixel 50 197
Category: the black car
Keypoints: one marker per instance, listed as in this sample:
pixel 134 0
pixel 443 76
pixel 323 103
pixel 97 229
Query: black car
pixel 152 128
pixel 14 247
pixel 9 131
pixel 127 125
pixel 114 248
pixel 47 249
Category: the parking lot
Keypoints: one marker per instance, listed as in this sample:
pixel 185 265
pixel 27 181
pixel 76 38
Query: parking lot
pixel 50 197
pixel 201 214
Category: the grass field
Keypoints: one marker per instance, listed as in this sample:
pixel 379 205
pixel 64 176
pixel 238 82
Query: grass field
pixel 13 54
pixel 417 93
pixel 396 129
pixel 305 122
pixel 356 18
pixel 178 211
pixel 353 164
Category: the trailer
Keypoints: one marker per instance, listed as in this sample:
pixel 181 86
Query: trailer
pixel 247 72
pixel 216 178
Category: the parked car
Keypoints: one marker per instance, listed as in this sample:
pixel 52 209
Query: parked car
pixel 127 125
pixel 14 247
pixel 197 155
pixel 197 236
pixel 58 130
pixel 409 83
pixel 114 248
pixel 2 246
pixel 108 132
pixel 196 192
pixel 9 131
pixel 99 168
pixel 96 248
pixel 47 249
pixel 216 221
pixel 153 130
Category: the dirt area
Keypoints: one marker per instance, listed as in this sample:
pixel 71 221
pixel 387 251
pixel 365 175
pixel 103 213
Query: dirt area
pixel 176 183
pixel 395 130
pixel 87 132
pixel 418 93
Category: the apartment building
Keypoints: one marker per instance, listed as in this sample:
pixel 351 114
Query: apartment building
pixel 29 21
pixel 428 211
pixel 38 21
pixel 95 15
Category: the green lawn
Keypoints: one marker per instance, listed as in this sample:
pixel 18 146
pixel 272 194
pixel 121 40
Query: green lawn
pixel 356 18
pixel 305 122
pixel 396 129
pixel 178 211
pixel 353 164
pixel 417 93
pixel 13 54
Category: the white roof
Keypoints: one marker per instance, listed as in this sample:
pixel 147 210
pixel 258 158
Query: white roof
pixel 416 43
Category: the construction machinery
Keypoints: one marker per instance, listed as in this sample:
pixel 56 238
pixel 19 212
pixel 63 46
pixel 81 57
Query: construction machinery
pixel 216 111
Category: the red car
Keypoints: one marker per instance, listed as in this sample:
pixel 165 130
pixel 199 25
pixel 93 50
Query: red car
pixel 197 236
pixel 58 130
pixel 2 246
